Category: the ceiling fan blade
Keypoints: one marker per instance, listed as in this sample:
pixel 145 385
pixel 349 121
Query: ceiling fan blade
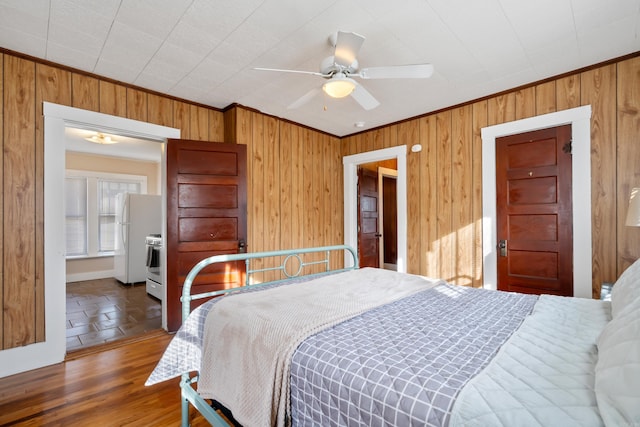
pixel 303 99
pixel 417 71
pixel 364 98
pixel 313 73
pixel 347 48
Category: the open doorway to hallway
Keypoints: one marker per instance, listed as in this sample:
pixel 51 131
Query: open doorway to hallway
pixel 351 163
pixel 377 214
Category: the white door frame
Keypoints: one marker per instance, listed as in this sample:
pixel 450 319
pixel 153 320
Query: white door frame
pixel 350 164
pixel 580 121
pixel 56 117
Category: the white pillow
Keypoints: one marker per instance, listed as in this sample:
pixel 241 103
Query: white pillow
pixel 617 373
pixel 626 289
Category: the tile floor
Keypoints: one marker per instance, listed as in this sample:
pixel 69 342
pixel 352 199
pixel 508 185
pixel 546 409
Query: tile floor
pixel 104 310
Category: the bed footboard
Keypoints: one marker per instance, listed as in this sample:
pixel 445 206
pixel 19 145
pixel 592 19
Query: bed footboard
pixel 290 264
pixel 283 266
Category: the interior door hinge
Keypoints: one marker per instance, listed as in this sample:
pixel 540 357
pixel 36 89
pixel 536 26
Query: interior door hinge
pixel 567 147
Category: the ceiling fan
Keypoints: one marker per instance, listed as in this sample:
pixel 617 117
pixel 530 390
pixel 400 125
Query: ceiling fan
pixel 340 69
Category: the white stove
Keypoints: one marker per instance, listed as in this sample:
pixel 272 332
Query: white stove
pixel 155 284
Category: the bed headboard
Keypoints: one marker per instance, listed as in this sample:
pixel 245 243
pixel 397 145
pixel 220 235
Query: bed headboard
pixel 289 263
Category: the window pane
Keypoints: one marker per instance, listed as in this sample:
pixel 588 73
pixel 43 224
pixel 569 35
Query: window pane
pixel 75 196
pixel 106 232
pixel 76 232
pixel 76 216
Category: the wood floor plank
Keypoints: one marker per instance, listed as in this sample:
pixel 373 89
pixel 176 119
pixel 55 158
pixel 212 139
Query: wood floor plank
pixel 103 388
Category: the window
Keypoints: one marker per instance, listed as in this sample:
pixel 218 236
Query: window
pixel 90 210
pixel 76 215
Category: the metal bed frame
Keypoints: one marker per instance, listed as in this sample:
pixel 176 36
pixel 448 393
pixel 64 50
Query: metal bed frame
pixel 188 393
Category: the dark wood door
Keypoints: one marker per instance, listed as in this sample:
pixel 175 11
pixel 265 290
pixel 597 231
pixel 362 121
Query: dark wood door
pixel 534 212
pixel 206 215
pixel 368 234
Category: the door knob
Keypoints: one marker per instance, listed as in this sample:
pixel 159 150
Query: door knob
pixel 502 246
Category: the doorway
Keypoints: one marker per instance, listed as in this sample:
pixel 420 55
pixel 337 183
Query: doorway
pixel 377 215
pixel 56 117
pixel 351 164
pixel 107 291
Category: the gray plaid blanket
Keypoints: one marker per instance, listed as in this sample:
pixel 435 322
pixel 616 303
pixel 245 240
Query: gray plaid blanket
pixel 404 363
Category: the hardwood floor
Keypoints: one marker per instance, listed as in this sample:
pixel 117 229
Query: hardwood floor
pixel 98 388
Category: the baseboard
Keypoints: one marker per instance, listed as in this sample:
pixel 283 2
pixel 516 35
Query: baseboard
pixel 90 275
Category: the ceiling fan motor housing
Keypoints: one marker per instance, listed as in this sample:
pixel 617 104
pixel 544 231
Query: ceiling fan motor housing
pixel 329 67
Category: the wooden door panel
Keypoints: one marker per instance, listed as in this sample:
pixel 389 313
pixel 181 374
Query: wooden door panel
pixel 532 191
pixel 369 246
pixel 533 183
pixel 533 264
pixel 206 215
pixel 522 226
pixel 369 204
pixel 369 225
pixel 203 162
pixel 204 229
pixel 196 195
pixel 538 153
pixel 213 276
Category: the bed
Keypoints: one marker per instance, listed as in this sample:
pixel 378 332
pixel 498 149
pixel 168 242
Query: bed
pixel 369 347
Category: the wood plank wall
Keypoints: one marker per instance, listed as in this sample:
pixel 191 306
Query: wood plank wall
pixel 24 85
pixel 445 178
pixel 295 174
pixel 294 182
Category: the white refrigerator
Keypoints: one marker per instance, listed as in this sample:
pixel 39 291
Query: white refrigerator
pixel 137 216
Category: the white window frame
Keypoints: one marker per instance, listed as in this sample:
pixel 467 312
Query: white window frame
pixel 92 205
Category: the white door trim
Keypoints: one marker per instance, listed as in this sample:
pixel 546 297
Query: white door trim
pixel 56 117
pixel 580 121
pixel 350 164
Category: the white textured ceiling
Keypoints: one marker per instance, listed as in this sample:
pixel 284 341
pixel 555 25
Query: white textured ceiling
pixel 205 50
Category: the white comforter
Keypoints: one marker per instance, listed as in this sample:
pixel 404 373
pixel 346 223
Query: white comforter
pixel 544 375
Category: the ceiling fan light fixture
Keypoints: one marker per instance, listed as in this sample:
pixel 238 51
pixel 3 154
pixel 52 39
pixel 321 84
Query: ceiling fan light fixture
pixel 339 86
pixel 100 138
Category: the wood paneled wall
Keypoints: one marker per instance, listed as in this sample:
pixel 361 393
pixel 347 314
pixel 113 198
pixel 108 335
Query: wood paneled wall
pixel 24 85
pixel 295 182
pixel 445 178
pixel 295 174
